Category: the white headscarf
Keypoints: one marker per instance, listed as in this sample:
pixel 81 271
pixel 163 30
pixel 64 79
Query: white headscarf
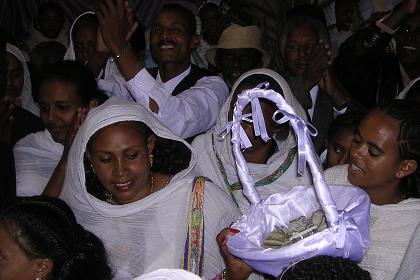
pixel 26 94
pixel 216 159
pixel 168 274
pixel 112 82
pixel 70 55
pixel 150 233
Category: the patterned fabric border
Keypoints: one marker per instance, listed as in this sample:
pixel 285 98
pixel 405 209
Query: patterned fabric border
pixel 192 259
pixel 265 181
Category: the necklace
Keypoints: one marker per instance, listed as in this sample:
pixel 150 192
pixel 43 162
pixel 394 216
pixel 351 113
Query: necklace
pixel 153 182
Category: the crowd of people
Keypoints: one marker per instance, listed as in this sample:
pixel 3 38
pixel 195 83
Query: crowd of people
pixel 111 169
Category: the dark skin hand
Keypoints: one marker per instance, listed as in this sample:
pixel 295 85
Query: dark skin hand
pixel 318 71
pixel 236 269
pixel 7 105
pixel 55 184
pixel 319 61
pixel 118 21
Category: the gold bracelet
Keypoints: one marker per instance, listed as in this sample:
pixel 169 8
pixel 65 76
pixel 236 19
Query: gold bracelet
pixel 123 52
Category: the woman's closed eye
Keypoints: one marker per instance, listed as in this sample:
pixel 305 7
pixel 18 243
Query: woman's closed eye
pixel 132 155
pixel 105 159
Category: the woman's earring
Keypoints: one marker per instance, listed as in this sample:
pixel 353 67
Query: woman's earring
pixel 93 170
pixel 151 160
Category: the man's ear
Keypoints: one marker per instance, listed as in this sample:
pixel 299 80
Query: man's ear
pixel 407 167
pixel 43 267
pixel 195 42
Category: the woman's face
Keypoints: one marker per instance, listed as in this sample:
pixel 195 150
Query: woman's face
pixel 84 41
pixel 120 159
pixel 14 264
pixel 58 102
pixel 375 163
pixel 15 76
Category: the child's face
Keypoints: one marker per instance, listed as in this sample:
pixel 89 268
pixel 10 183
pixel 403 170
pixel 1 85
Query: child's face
pixel 338 147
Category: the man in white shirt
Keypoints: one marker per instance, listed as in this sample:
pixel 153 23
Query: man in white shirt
pixel 184 97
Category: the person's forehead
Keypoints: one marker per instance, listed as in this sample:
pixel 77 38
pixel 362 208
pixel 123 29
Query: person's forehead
pixel 49 12
pixel 239 51
pixel 208 12
pixel 171 17
pixel 302 30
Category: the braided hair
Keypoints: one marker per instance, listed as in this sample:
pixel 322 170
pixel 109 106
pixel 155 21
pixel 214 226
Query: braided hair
pixel 45 227
pixel 325 268
pixel 408 116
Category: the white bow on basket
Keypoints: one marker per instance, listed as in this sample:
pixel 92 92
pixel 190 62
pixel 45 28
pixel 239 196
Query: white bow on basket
pixel 300 223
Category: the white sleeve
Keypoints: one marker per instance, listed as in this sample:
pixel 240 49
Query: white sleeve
pixel 189 113
pixel 220 212
pixel 409 269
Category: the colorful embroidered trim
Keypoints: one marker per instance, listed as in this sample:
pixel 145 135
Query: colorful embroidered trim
pixel 192 259
pixel 265 181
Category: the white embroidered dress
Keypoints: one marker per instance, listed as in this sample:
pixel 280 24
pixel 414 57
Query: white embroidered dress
pixel 150 233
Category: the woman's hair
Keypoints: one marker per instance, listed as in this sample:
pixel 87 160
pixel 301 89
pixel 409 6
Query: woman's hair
pixel 77 75
pixel 408 116
pixel 45 227
pixel 169 156
pixel 326 268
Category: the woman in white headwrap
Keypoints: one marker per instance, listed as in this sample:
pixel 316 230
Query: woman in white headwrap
pixel 67 91
pixel 83 48
pixel 275 167
pixel 20 72
pixel 138 197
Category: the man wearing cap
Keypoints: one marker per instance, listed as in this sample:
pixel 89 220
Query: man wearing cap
pixel 187 99
pixel 238 50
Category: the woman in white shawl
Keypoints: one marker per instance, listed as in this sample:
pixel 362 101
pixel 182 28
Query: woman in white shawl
pixel 83 47
pixel 67 91
pixel 384 161
pixel 24 90
pixel 148 216
pixel 278 168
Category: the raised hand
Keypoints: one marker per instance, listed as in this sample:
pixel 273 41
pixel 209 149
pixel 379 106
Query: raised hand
pixel 7 105
pixel 78 118
pixel 318 62
pixel 115 22
pixel 331 88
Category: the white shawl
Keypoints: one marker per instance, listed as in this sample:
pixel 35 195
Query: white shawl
pixel 112 83
pixel 216 160
pixel 150 233
pixel 392 228
pixel 26 94
pixel 36 157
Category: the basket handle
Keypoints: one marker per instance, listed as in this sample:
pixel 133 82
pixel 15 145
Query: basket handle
pixel 303 132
